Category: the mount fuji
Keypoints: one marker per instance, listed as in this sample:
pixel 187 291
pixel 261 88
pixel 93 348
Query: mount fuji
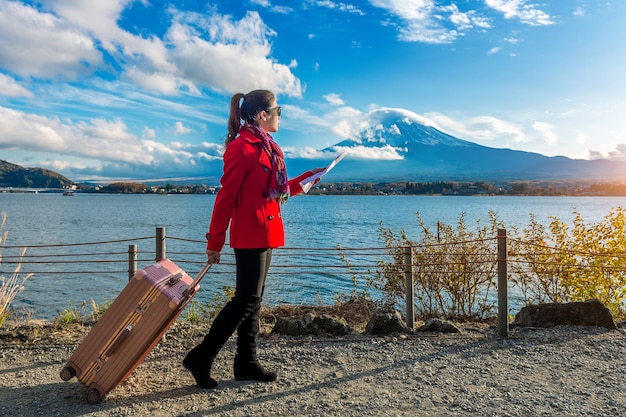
pixel 403 146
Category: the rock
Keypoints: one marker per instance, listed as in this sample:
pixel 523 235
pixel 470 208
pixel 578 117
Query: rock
pixel 386 323
pixel 311 324
pixel 585 313
pixel 441 326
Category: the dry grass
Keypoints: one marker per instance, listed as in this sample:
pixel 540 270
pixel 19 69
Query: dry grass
pixel 9 287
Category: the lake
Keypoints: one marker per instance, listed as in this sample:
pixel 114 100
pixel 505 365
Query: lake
pixel 315 226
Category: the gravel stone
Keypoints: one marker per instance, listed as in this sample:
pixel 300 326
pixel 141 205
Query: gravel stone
pixel 565 371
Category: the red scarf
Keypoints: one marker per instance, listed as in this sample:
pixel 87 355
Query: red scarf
pixel 279 182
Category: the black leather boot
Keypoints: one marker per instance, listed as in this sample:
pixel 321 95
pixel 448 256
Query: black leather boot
pixel 246 365
pixel 247 369
pixel 199 361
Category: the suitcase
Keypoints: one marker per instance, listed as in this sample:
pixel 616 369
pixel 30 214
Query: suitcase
pixel 129 329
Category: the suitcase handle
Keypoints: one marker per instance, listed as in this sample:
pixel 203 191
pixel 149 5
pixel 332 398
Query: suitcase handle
pixel 192 287
pixel 175 279
pixel 120 339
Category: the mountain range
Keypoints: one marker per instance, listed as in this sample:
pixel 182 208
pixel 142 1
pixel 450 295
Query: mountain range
pixel 397 146
pixel 417 151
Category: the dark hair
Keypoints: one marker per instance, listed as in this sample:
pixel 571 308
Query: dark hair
pixel 252 104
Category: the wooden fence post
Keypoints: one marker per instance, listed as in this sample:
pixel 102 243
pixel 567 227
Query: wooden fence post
pixel 503 291
pixel 132 261
pixel 408 283
pixel 160 244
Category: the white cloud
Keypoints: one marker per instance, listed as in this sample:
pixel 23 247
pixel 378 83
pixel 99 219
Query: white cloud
pixel 546 131
pixel 340 121
pixel 520 9
pixel 148 133
pixel 418 24
pixel 36 44
pixel 582 138
pixel 200 45
pixel 343 7
pixel 66 41
pixel 464 21
pixel 594 155
pixel 181 129
pixel 385 153
pixel 481 128
pixel 100 141
pixel 159 82
pixel 425 21
pixel 61 166
pixel 494 51
pixel 619 154
pixel 9 87
pixel 334 99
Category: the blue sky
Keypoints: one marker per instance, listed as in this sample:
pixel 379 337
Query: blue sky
pixel 123 89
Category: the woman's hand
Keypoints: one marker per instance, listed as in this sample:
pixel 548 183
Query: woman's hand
pixel 315 171
pixel 213 256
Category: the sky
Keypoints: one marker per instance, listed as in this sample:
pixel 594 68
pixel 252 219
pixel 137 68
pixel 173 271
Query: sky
pixel 140 89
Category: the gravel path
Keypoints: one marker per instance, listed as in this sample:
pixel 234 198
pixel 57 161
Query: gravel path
pixel 564 371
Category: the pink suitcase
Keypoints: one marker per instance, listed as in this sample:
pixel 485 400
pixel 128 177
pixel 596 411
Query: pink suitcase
pixel 131 327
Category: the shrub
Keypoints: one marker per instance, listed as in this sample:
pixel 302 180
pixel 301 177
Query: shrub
pixel 563 263
pixel 454 269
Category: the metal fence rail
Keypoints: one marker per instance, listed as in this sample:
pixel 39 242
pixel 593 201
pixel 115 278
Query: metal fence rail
pixel 62 259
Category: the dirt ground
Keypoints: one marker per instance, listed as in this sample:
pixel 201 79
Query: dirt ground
pixel 565 371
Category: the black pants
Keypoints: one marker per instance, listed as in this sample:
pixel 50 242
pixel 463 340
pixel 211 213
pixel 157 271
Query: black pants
pixel 242 312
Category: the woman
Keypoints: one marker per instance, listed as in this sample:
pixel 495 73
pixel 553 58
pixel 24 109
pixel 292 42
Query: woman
pixel 253 186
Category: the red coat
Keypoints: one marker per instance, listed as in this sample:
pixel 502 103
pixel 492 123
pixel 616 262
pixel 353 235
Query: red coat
pixel 255 222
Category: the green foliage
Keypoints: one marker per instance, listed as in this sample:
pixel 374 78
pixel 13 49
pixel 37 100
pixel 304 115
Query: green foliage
pixel 72 314
pixel 563 263
pixel 453 269
pixel 194 313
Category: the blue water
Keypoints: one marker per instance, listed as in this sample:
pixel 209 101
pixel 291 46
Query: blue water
pixel 307 271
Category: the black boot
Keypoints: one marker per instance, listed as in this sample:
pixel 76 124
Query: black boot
pixel 199 361
pixel 247 369
pixel 246 365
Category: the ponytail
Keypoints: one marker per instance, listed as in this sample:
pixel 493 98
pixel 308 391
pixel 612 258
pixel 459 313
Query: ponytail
pixel 252 104
pixel 234 120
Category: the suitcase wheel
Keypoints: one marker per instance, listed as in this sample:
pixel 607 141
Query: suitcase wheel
pixel 93 396
pixel 67 373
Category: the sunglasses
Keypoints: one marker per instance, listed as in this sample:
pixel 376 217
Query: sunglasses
pixel 277 108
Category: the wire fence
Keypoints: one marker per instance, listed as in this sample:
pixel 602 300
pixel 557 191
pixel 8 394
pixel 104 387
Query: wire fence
pixel 491 263
pixel 44 259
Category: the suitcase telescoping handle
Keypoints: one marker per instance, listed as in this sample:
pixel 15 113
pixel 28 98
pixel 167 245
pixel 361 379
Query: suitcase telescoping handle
pixel 192 288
